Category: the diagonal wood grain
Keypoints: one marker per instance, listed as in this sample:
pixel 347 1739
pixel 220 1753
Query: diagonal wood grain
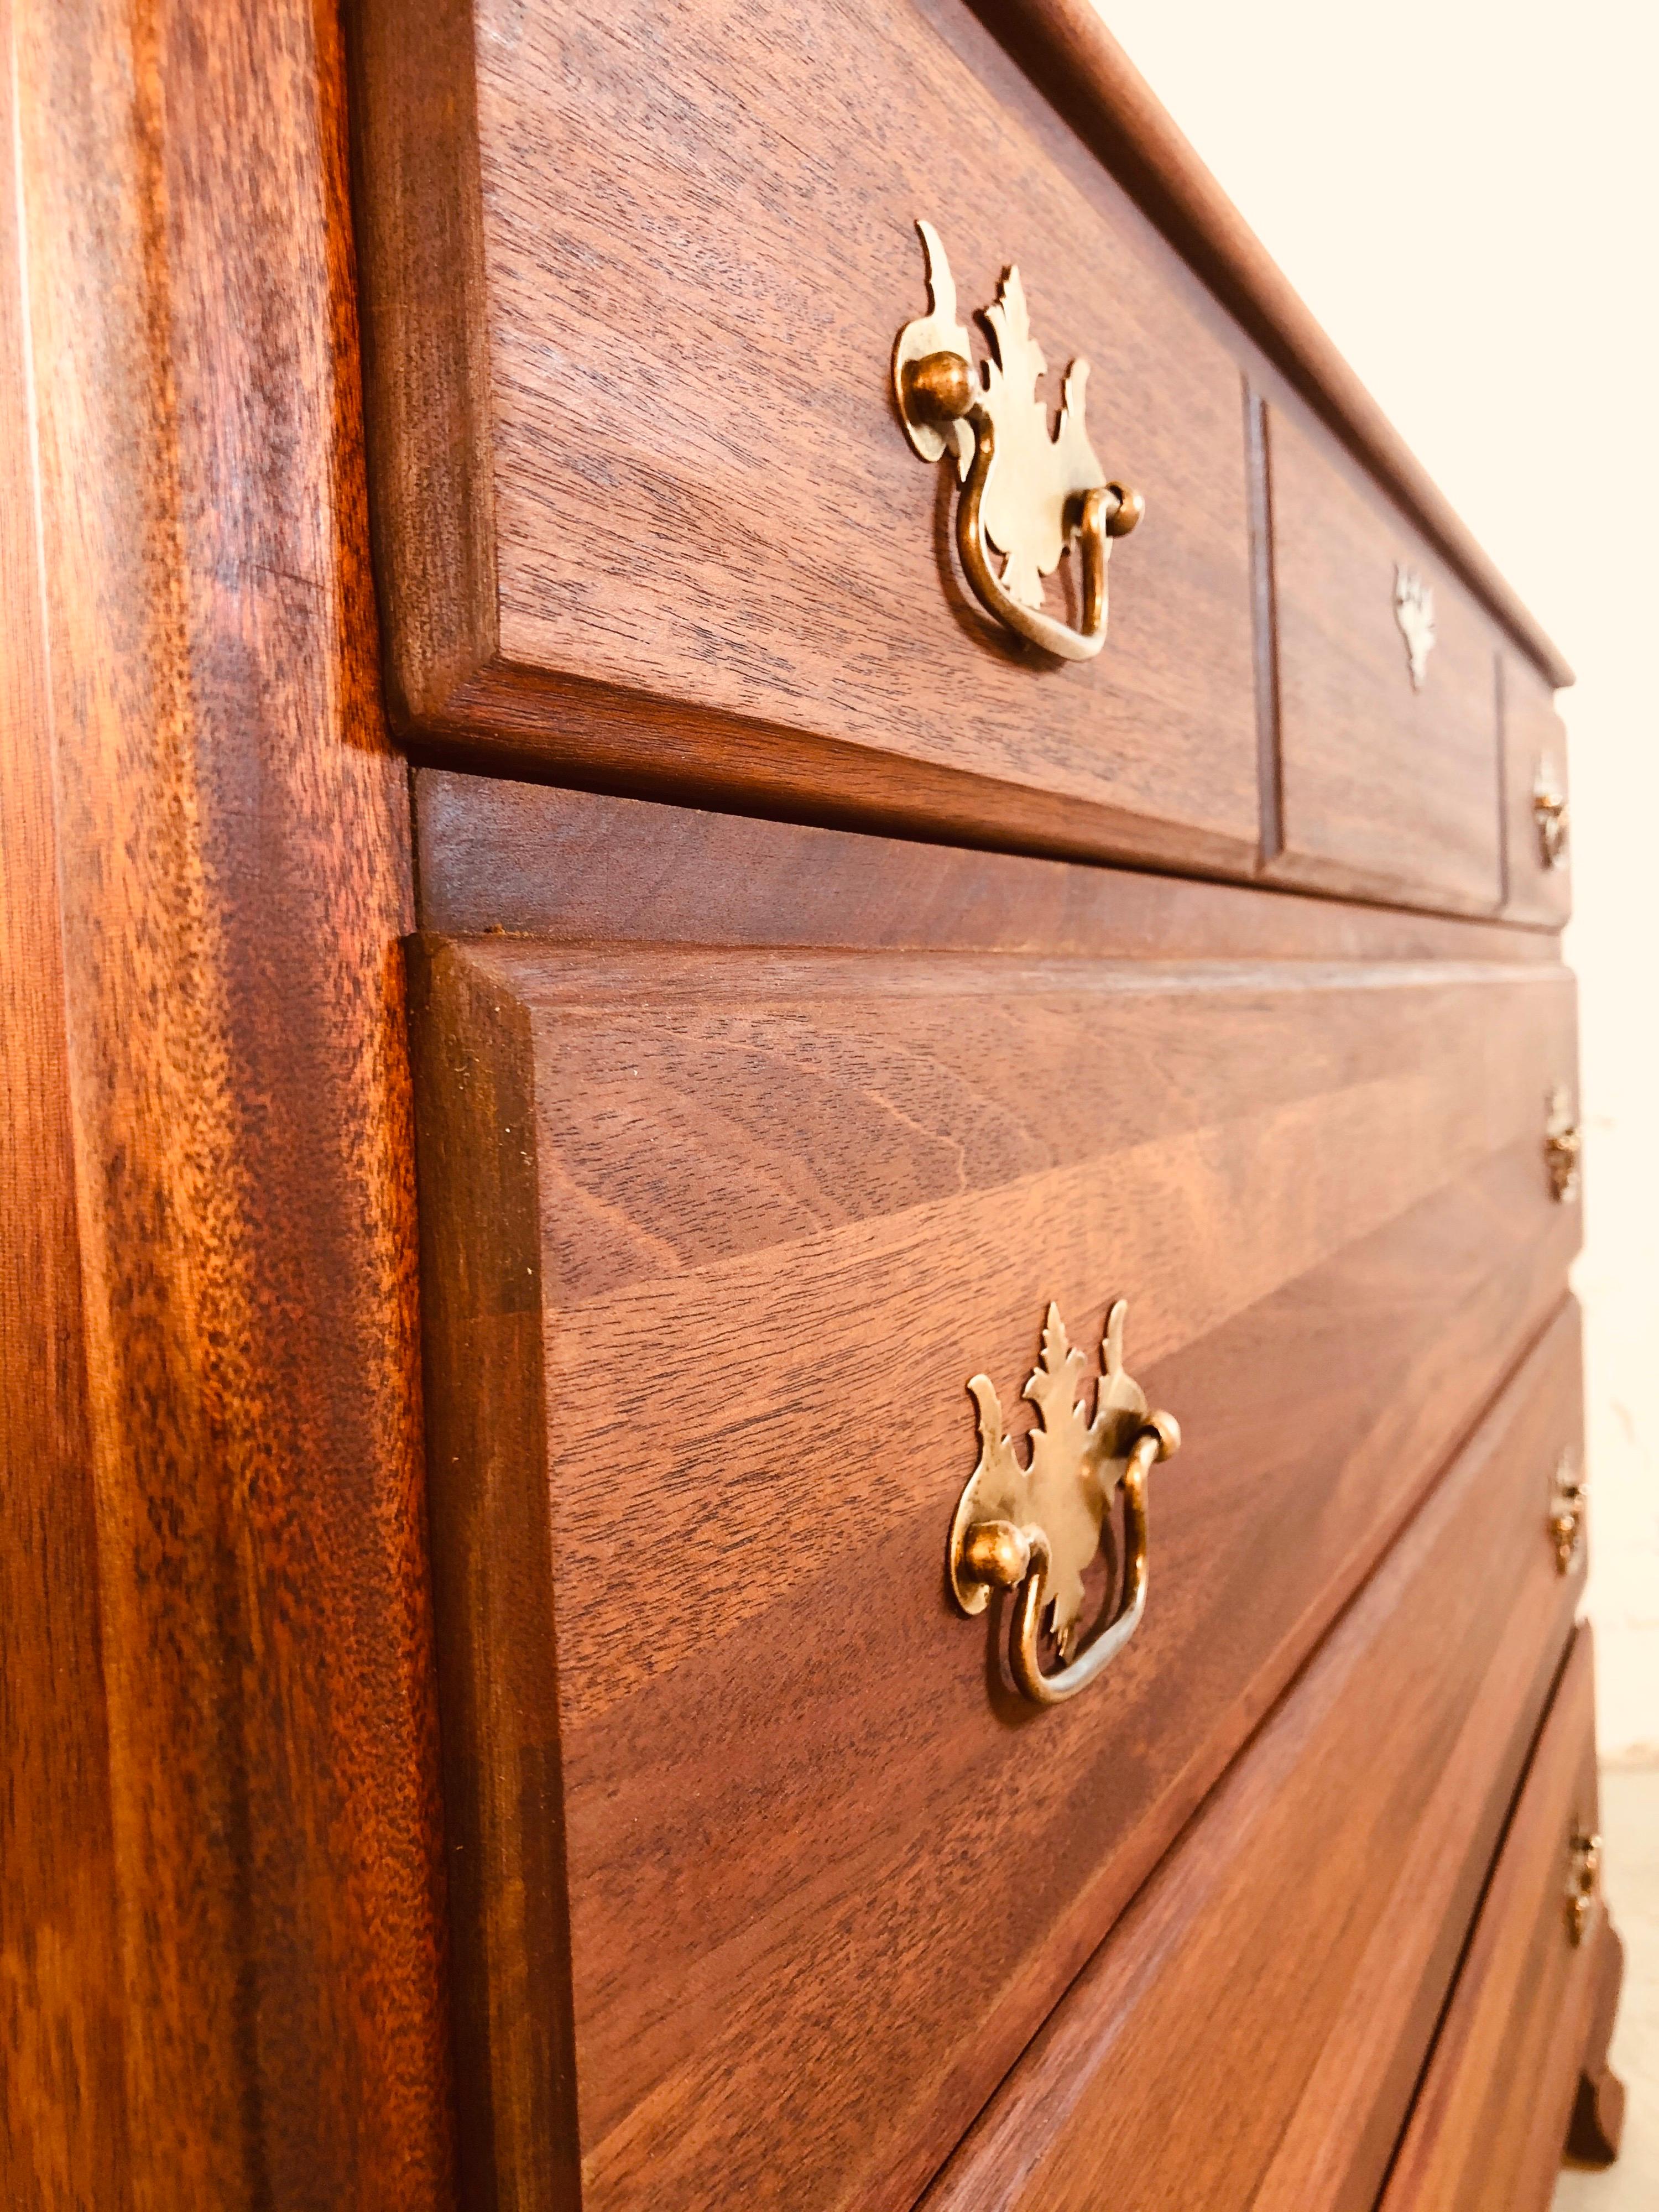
pixel 698 1419
pixel 1490 2116
pixel 1250 2035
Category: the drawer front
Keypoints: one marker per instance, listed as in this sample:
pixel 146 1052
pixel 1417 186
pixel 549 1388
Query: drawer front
pixel 1538 827
pixel 1488 2128
pixel 764 1874
pixel 633 277
pixel 1389 789
pixel 1283 1971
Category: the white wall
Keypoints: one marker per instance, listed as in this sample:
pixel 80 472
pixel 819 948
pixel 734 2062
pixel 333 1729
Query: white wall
pixel 1467 195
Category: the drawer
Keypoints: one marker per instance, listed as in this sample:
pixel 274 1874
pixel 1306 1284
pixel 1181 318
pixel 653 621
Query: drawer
pixel 644 505
pixel 1282 1972
pixel 1388 788
pixel 1491 2120
pixel 1538 829
pixel 747 1819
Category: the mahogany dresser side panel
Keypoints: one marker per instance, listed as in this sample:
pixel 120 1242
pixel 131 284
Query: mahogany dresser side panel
pixel 64 2114
pixel 233 880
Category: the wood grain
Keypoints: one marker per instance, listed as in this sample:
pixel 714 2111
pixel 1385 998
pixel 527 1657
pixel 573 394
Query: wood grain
pixel 1597 2125
pixel 491 1565
pixel 1265 610
pixel 699 554
pixel 1533 735
pixel 256 1951
pixel 768 1213
pixel 1283 1970
pixel 1490 2116
pixel 63 2137
pixel 1072 56
pixel 569 865
pixel 1386 791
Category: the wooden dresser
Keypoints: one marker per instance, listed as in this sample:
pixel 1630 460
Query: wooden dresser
pixel 790 1417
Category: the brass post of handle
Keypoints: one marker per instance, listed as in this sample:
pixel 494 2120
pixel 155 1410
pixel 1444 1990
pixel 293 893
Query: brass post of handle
pixel 1033 1528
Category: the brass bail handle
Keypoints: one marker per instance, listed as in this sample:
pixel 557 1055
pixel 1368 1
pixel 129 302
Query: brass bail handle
pixel 1007 1556
pixel 1584 1850
pixel 1549 809
pixel 1034 1528
pixel 1566 1524
pixel 1027 492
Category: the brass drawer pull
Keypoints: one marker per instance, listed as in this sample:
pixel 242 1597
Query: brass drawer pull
pixel 1413 611
pixel 1549 809
pixel 1036 1529
pixel 1585 1851
pixel 1026 491
pixel 1563 1146
pixel 1567 1518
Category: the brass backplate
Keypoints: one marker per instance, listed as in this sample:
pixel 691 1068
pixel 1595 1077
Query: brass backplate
pixel 1414 610
pixel 1031 494
pixel 1030 488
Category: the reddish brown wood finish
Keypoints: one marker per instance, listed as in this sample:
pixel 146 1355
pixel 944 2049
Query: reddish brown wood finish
pixel 712 1241
pixel 1597 2125
pixel 1533 737
pixel 1283 1971
pixel 713 1237
pixel 1492 2114
pixel 646 510
pixel 63 2114
pixel 224 1970
pixel 1386 792
pixel 533 861
pixel 1067 48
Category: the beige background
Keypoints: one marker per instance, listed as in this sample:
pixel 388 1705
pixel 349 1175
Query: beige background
pixel 1468 196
